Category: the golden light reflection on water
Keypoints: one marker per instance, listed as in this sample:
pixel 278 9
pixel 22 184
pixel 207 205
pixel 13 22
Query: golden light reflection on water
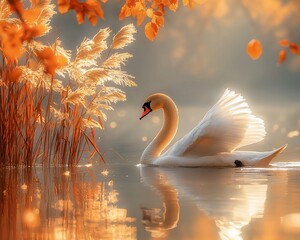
pixel 144 139
pixel 169 203
pixel 60 204
pixel 291 222
pixel 293 134
pixel 31 217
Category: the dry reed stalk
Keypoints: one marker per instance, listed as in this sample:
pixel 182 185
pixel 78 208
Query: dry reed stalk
pixel 50 105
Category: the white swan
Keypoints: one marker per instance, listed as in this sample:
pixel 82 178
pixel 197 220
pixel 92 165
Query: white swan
pixel 227 126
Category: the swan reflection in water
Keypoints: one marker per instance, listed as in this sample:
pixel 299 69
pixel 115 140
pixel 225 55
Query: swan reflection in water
pixel 155 222
pixel 229 198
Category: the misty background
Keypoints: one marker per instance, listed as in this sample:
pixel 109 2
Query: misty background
pixel 195 57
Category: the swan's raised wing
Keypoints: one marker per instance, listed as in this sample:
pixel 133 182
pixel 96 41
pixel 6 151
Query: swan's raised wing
pixel 228 125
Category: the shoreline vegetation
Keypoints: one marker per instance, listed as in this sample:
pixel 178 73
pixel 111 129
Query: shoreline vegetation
pixel 50 102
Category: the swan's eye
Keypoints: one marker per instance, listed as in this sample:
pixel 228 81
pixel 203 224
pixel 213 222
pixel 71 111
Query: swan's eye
pixel 147 105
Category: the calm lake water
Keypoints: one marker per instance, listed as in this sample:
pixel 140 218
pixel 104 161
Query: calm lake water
pixel 125 201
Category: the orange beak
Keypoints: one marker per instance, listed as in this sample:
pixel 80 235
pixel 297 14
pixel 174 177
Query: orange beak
pixel 145 113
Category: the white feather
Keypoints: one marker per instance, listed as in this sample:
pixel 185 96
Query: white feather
pixel 227 126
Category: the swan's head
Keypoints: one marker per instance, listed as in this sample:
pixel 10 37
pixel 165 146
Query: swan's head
pixel 153 103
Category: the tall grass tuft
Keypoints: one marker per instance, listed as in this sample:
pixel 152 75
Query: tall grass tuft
pixel 51 103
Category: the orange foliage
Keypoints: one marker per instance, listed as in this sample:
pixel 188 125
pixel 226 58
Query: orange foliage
pixel 91 8
pixel 254 49
pixel 293 47
pixel 139 9
pixel 151 30
pixel 188 2
pixel 284 43
pixel 281 56
pixel 155 10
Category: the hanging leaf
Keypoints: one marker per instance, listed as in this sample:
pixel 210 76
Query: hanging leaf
pixel 284 43
pixel 125 12
pixel 149 12
pixel 151 30
pixel 140 17
pixel 294 48
pixel 254 49
pixel 188 2
pixel 63 6
pixel 173 5
pixel 158 19
pixel 281 56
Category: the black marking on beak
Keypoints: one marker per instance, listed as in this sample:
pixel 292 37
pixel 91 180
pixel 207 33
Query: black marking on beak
pixel 147 109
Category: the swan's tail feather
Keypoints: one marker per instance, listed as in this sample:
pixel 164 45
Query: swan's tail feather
pixel 265 161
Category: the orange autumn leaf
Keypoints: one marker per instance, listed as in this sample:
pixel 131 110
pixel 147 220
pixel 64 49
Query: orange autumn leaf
pixel 173 5
pixel 284 43
pixel 155 10
pixel 294 48
pixel 158 19
pixel 151 30
pixel 125 12
pixel 188 2
pixel 140 17
pixel 63 6
pixel 91 8
pixel 92 18
pixel 80 17
pixel 139 12
pixel 138 9
pixel 254 49
pixel 155 4
pixel 149 12
pixel 162 8
pixel 281 56
pixel 135 10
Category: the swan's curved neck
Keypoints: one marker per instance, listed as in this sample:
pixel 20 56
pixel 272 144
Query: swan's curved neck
pixel 165 135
